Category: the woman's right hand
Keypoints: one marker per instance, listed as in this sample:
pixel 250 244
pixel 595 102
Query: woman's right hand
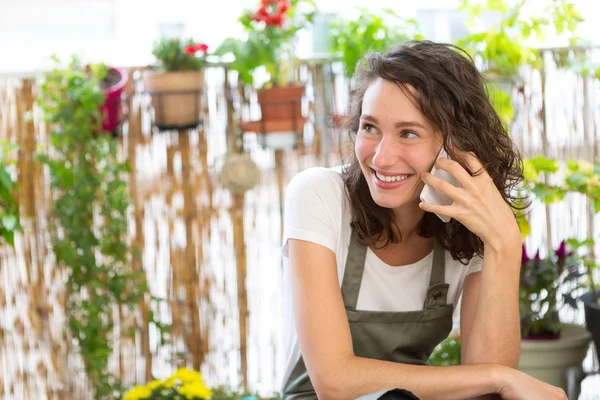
pixel 517 385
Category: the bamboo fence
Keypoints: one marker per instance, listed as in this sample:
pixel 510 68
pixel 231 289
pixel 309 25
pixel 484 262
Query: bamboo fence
pixel 213 257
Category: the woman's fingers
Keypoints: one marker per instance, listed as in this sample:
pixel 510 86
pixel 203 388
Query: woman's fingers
pixel 457 171
pixel 445 187
pixel 437 209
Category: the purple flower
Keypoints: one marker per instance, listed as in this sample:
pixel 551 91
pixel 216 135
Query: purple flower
pixel 561 252
pixel 524 257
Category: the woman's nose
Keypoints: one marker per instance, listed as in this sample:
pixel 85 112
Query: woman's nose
pixel 386 153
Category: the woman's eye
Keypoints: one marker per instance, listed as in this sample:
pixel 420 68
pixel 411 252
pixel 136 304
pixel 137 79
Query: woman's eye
pixel 408 134
pixel 368 128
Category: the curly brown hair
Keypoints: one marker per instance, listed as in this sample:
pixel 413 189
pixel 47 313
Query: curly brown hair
pixel 452 94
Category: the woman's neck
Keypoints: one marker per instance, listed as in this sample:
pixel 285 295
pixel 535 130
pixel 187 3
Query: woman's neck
pixel 407 219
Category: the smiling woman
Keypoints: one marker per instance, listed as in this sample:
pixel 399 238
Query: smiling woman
pixel 372 276
pixel 394 144
pixel 447 98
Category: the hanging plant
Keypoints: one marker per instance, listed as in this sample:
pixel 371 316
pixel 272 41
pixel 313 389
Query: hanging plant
pixel 88 221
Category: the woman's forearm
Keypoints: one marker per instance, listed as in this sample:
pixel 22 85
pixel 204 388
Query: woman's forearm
pixel 359 376
pixel 494 336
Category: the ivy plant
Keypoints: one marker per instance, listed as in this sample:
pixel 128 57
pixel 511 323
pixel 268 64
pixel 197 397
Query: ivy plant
pixel 9 206
pixel 89 216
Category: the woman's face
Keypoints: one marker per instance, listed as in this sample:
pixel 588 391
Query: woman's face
pixel 394 143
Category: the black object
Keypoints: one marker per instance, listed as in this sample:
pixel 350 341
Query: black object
pixel 592 318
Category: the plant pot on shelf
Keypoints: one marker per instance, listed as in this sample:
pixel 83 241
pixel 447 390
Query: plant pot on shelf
pixel 176 97
pixel 592 318
pixel 112 87
pixel 281 116
pixel 281 103
pixel 552 361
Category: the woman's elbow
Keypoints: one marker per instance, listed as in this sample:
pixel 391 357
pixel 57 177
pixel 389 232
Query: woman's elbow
pixel 331 386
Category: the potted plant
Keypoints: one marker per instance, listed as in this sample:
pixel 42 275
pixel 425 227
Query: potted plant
pixel 270 44
pixel 501 48
pixel 550 349
pixel 176 83
pixel 112 86
pixel 352 39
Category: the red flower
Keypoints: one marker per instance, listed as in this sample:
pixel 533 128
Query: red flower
pixel 262 11
pixel 271 12
pixel 202 47
pixel 276 19
pixel 283 6
pixel 261 15
pixel 190 50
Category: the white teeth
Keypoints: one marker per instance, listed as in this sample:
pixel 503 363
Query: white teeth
pixel 396 178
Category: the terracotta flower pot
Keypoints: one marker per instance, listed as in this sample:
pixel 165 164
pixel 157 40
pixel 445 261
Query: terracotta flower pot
pixel 176 97
pixel 281 103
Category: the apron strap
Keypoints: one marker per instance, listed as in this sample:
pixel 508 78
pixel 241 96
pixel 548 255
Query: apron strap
pixel 353 272
pixel 437 292
pixel 438 270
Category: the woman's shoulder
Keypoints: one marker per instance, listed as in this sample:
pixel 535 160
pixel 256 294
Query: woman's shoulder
pixel 320 174
pixel 319 180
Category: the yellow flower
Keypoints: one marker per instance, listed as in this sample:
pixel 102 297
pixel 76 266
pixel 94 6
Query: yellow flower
pixel 169 382
pixel 137 393
pixel 196 390
pixel 154 384
pixel 187 376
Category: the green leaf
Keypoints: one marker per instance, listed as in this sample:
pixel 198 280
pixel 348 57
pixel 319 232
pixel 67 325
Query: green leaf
pixel 9 236
pixel 530 172
pixel 524 226
pixel 544 165
pixel 547 194
pixel 9 222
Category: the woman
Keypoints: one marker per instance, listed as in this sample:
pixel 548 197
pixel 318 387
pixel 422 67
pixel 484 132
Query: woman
pixel 372 274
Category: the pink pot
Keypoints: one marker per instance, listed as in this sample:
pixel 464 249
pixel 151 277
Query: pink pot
pixel 111 110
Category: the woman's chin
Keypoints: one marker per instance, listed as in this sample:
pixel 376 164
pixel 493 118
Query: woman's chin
pixel 393 202
pixel 388 203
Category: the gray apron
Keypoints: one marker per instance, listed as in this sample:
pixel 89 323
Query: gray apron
pixel 407 337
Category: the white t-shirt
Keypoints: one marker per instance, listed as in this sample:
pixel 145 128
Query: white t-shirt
pixel 317 210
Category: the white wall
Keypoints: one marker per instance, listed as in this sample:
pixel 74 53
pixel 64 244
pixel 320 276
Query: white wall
pixel 121 32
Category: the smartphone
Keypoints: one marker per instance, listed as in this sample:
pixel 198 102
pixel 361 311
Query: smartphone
pixel 434 196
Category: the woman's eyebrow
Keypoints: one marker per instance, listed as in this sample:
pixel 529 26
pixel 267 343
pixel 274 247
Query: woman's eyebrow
pixel 399 124
pixel 409 124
